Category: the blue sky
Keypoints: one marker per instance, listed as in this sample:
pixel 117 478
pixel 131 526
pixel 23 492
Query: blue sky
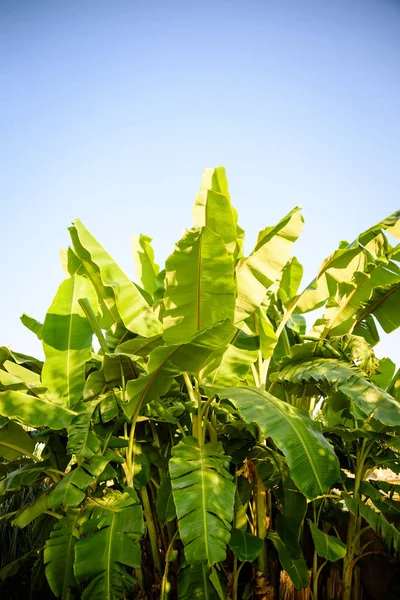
pixel 110 111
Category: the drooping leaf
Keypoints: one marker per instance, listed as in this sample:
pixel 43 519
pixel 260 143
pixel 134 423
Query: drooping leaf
pixel 165 506
pixel 134 311
pixel 81 440
pixel 383 305
pixel 59 556
pixel 67 340
pixel 114 526
pixel 71 490
pixel 194 582
pixel 244 545
pixel 200 286
pixel 296 568
pixel 21 378
pixel 32 325
pixel 146 267
pixel 327 546
pixel 256 273
pixel 373 290
pixel 376 520
pixel 203 493
pixel 14 441
pixel 26 475
pixel 28 514
pixel 230 366
pixel 292 510
pixel 34 411
pixel 342 265
pixel 313 464
pixel 343 377
pixel 166 362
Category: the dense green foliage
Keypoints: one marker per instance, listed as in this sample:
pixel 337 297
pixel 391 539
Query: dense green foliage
pixel 185 437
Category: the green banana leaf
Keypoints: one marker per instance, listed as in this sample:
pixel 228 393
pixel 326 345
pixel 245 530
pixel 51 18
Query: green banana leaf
pixel 244 545
pixel 71 490
pixel 383 305
pixel 59 555
pixel 165 506
pixel 200 285
pixel 296 568
pixel 67 341
pixel 28 514
pixel 353 296
pixel 313 464
pixel 264 267
pixel 166 362
pixel 194 582
pixel 227 367
pixel 327 546
pixel 343 377
pixel 26 475
pixel 203 494
pixel 32 325
pixel 213 209
pixel 146 267
pixel 14 441
pixel 390 534
pixel 113 527
pixel 293 508
pixel 36 412
pixel 292 275
pixel 82 442
pixel 134 311
pixel 345 262
pixel 19 378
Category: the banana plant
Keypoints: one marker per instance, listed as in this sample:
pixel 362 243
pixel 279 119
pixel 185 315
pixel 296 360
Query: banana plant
pixel 184 433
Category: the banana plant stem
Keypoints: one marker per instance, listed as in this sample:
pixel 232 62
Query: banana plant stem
pixel 151 529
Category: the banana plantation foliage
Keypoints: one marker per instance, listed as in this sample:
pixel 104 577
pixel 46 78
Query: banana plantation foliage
pixel 192 435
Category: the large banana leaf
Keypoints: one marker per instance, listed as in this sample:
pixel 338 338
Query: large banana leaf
pixel 203 493
pixel 67 340
pixel 146 267
pixel 133 309
pixel 212 207
pixel 26 475
pixel 244 545
pixel 81 440
pixel 227 367
pixel 200 285
pixel 71 490
pixel 166 362
pixel 114 526
pixel 59 555
pixel 292 275
pixel 194 582
pixel 343 377
pixel 296 568
pixel 14 441
pixel 345 262
pixel 19 378
pixel 389 533
pixel 28 514
pixel 36 412
pixel 383 305
pixel 352 297
pixel 264 267
pixel 327 546
pixel 313 464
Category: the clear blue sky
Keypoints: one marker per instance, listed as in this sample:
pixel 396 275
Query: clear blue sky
pixel 110 111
